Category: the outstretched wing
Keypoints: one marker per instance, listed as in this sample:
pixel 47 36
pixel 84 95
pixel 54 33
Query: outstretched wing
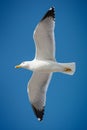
pixel 37 88
pixel 44 37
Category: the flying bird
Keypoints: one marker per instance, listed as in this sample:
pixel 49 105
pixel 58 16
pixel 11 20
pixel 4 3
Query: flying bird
pixel 44 63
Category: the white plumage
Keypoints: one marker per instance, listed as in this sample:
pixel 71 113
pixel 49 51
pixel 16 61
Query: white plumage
pixel 44 63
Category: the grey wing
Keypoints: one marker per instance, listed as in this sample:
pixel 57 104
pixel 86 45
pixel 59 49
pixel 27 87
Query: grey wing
pixel 37 88
pixel 44 37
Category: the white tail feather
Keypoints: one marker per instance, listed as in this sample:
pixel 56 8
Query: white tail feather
pixel 69 68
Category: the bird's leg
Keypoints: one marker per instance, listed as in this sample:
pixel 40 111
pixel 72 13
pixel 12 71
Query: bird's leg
pixel 67 70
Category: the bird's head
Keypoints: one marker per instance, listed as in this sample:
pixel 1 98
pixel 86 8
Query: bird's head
pixel 24 64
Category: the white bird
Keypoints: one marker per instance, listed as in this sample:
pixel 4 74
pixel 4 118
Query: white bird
pixel 44 63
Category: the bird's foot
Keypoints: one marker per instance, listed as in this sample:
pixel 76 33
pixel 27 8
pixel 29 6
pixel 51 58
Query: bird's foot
pixel 67 70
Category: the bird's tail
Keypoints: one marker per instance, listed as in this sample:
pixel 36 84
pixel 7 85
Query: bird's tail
pixel 69 68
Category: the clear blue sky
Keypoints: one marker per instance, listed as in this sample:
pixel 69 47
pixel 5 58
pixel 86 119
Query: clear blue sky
pixel 66 107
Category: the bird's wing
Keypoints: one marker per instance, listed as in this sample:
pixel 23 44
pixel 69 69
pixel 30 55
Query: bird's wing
pixel 44 37
pixel 37 88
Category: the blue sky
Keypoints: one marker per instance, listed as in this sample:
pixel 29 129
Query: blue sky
pixel 66 107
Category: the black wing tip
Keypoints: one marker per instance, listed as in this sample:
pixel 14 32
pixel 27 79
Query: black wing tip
pixel 50 13
pixel 39 113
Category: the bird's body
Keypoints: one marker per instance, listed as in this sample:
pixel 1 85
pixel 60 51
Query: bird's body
pixel 48 66
pixel 44 63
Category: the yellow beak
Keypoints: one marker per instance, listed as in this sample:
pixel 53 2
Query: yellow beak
pixel 17 66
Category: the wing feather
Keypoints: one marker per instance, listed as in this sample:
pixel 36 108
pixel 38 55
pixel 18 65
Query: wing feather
pixel 44 37
pixel 37 88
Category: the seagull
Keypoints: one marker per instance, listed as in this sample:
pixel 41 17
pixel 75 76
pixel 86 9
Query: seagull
pixel 44 63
